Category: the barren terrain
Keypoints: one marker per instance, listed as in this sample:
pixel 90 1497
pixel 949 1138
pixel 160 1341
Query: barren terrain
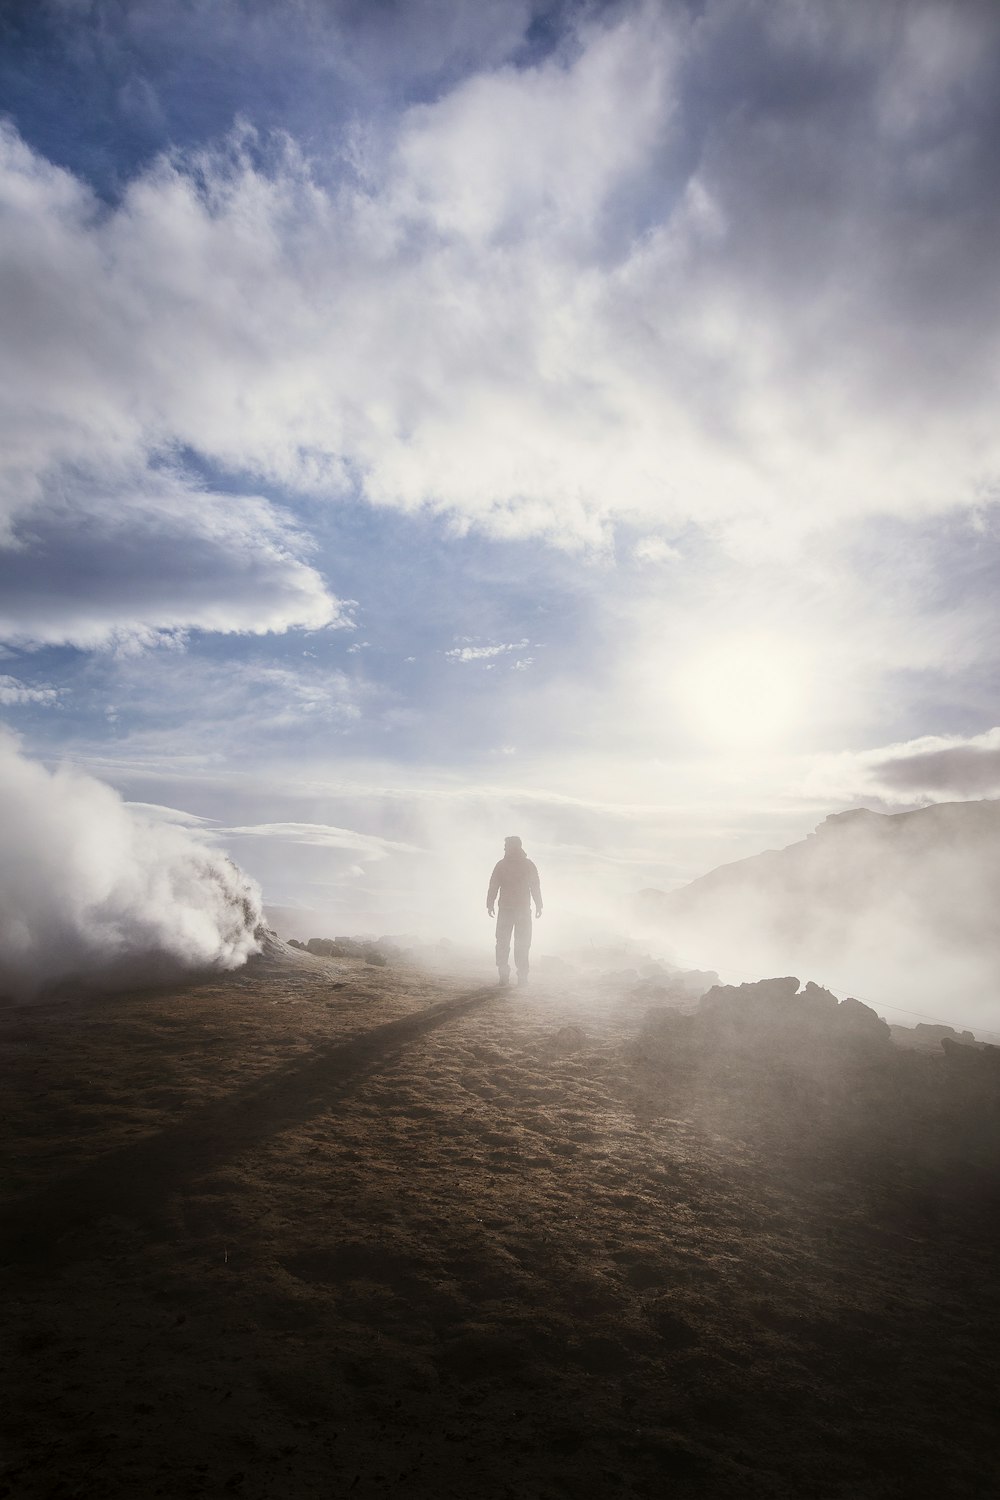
pixel 323 1229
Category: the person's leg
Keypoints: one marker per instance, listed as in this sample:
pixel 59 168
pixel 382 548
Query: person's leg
pixel 522 944
pixel 505 925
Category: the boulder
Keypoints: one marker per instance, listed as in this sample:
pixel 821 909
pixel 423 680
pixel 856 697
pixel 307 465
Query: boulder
pixel 775 1014
pixel 927 1036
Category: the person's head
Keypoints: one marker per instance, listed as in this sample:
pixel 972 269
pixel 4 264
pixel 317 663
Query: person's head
pixel 512 845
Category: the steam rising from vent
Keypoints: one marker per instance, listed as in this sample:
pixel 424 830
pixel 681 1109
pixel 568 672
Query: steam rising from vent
pixel 91 891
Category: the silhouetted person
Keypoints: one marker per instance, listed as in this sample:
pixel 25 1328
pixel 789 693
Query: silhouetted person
pixel 516 880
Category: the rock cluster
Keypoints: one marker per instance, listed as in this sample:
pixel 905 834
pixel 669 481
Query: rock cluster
pixel 925 1037
pixel 767 1025
pixel 774 1015
pixel 770 1061
pixel 371 950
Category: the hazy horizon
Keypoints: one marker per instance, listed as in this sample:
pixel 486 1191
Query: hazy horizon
pixel 424 423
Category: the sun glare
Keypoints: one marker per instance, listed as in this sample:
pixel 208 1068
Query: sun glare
pixel 744 692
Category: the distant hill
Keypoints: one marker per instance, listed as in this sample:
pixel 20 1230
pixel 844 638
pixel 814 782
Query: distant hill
pixel 301 922
pixel 903 905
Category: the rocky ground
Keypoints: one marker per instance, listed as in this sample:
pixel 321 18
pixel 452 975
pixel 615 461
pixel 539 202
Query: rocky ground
pixel 323 1228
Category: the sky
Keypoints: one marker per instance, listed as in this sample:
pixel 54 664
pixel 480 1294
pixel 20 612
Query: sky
pixel 423 422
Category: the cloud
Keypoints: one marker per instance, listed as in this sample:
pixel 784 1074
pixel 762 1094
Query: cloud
pixel 103 534
pixel 13 692
pixel 93 891
pixel 198 704
pixel 114 565
pixel 942 767
pixel 157 813
pixel 484 653
pixel 933 768
pixel 323 836
pixel 555 297
pixel 653 549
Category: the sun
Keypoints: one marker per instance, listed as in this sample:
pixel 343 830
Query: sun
pixel 745 691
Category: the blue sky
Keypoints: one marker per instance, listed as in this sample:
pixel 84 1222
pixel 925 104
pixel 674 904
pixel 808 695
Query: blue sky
pixel 425 422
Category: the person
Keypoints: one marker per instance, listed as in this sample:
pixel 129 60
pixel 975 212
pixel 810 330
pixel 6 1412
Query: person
pixel 515 881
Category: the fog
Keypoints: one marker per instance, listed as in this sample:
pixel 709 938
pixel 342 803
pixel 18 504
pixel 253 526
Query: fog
pixel 897 910
pixel 92 891
pixel 433 887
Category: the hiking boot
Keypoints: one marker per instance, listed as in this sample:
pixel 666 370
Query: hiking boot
pixel 522 979
pixel 504 979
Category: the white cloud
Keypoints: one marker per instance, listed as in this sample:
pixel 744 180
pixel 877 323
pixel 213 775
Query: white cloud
pixel 101 538
pixel 535 154
pixel 653 549
pixel 13 691
pixel 156 812
pixel 551 303
pixel 321 835
pixel 484 653
pixel 130 564
pixel 932 768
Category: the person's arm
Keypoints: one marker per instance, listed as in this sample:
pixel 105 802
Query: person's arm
pixel 491 894
pixel 535 888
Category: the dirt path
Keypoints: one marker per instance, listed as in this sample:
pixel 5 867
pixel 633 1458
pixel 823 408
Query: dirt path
pixel 409 1237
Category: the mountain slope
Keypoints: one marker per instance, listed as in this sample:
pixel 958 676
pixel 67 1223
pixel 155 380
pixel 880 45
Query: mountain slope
pixel 901 906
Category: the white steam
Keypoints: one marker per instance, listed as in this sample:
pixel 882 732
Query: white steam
pixel 92 891
pixel 898 910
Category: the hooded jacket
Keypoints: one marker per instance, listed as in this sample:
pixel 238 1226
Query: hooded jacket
pixel 516 879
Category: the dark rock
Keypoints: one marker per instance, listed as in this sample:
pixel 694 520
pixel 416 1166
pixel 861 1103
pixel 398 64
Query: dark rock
pixel 373 951
pixel 980 1055
pixel 927 1037
pixel 856 1017
pixel 324 948
pixel 774 1013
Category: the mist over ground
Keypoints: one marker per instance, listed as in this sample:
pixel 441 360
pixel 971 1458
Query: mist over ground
pixel 897 909
pixel 91 891
pixel 422 870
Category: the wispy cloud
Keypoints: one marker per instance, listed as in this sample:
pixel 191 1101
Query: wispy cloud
pixel 158 813
pixel 13 692
pixel 320 835
pixel 484 653
pixel 179 706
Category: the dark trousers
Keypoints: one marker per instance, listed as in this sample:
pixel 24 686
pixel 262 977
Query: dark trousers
pixel 516 920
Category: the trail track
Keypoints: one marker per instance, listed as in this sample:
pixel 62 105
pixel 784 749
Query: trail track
pixel 319 1230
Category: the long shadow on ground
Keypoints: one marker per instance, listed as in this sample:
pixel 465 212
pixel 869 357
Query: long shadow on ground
pixel 132 1181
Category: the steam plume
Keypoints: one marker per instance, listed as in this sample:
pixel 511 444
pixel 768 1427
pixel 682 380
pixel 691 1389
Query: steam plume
pixel 899 908
pixel 91 891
